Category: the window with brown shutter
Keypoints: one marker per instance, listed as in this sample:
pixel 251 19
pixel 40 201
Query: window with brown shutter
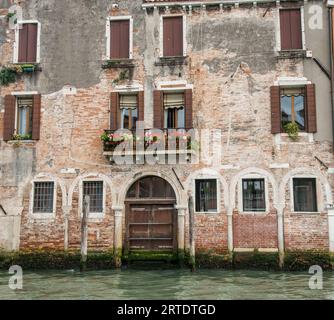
pixel 173 36
pixel 291 29
pixel 27 48
pixel 293 105
pixel 22 118
pixel 119 39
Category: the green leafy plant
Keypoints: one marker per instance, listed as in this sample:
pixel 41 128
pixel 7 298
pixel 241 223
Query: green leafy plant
pixel 292 130
pixel 19 137
pixel 7 76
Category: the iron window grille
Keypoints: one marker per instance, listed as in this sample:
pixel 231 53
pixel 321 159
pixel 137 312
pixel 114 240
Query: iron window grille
pixel 43 197
pixel 93 189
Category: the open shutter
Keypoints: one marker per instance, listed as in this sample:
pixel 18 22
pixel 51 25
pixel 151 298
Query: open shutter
pixel 158 112
pixel 36 116
pixel 114 101
pixel 188 99
pixel 275 109
pixel 9 118
pixel 141 106
pixel 311 111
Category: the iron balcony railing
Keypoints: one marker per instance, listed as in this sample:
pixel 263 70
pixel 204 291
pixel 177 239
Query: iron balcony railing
pixel 141 140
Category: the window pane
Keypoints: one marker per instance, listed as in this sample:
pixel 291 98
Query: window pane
pixel 253 195
pixel 24 117
pixel 43 197
pixel 300 112
pixel 305 195
pixel 134 115
pixel 206 195
pixel 94 189
pixel 180 118
pixel 144 188
pixel 286 110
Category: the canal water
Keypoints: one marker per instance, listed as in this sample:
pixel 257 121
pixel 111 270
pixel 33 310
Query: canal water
pixel 166 284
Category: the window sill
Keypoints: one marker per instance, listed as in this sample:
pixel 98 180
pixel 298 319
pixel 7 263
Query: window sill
pixel 22 142
pixel 118 63
pixel 303 138
pixel 172 61
pixel 43 216
pixel 292 54
pixel 308 213
pixel 27 67
pixel 254 213
pixel 208 213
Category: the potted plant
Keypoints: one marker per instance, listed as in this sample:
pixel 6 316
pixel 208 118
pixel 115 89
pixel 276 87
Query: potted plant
pixel 292 130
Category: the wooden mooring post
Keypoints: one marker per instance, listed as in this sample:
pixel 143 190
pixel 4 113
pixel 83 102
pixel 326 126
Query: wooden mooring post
pixel 192 252
pixel 84 234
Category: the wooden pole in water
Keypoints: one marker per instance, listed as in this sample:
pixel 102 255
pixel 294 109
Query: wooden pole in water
pixel 192 260
pixel 84 234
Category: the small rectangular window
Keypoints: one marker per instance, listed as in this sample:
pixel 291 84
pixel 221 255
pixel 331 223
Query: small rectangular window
pixel 293 107
pixel 253 191
pixel 27 48
pixel 43 197
pixel 291 29
pixel 24 118
pixel 129 111
pixel 94 189
pixel 173 36
pixel 305 195
pixel 120 39
pixel 174 110
pixel 206 195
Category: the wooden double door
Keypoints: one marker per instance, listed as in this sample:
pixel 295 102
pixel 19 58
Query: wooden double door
pixel 151 226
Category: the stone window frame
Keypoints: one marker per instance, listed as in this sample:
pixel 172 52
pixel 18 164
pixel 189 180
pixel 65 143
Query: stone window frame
pixel 278 30
pixel 161 36
pixel 266 194
pixel 43 215
pixel 208 177
pixel 290 82
pixel 118 18
pixel 92 215
pixel 16 42
pixel 319 192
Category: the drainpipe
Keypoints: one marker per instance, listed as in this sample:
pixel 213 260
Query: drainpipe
pixel 330 5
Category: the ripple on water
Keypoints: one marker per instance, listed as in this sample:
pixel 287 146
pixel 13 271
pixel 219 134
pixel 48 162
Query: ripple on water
pixel 167 284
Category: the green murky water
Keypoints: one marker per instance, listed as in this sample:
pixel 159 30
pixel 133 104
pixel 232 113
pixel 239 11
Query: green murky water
pixel 167 284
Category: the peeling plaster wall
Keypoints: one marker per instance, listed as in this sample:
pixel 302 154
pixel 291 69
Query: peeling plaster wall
pixel 231 63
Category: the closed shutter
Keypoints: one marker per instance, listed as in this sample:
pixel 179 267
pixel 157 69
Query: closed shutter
pixel 188 97
pixel 141 106
pixel 158 112
pixel 9 117
pixel 173 36
pixel 275 109
pixel 119 39
pixel 36 117
pixel 311 111
pixel 28 43
pixel 114 101
pixel 291 29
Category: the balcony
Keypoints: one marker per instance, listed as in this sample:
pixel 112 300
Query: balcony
pixel 158 143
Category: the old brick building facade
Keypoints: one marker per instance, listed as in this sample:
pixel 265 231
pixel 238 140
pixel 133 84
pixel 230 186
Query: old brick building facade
pixel 243 68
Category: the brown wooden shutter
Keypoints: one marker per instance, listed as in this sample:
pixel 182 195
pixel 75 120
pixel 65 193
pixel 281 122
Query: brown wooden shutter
pixel 114 107
pixel 173 36
pixel 141 106
pixel 188 101
pixel 275 98
pixel 291 29
pixel 9 117
pixel 311 110
pixel 36 116
pixel 23 43
pixel 158 109
pixel 32 42
pixel 119 39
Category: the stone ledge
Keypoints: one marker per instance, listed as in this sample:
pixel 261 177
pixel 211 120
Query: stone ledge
pixel 118 63
pixel 171 61
pixel 292 54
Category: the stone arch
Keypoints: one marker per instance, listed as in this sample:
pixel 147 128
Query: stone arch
pixel 253 170
pixel 101 176
pixel 326 191
pixel 207 172
pixel 59 182
pixel 181 198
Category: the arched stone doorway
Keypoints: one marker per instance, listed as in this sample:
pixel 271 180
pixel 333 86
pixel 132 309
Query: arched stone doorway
pixel 150 216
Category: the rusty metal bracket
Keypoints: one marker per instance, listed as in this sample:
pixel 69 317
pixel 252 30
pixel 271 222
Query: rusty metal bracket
pixel 4 211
